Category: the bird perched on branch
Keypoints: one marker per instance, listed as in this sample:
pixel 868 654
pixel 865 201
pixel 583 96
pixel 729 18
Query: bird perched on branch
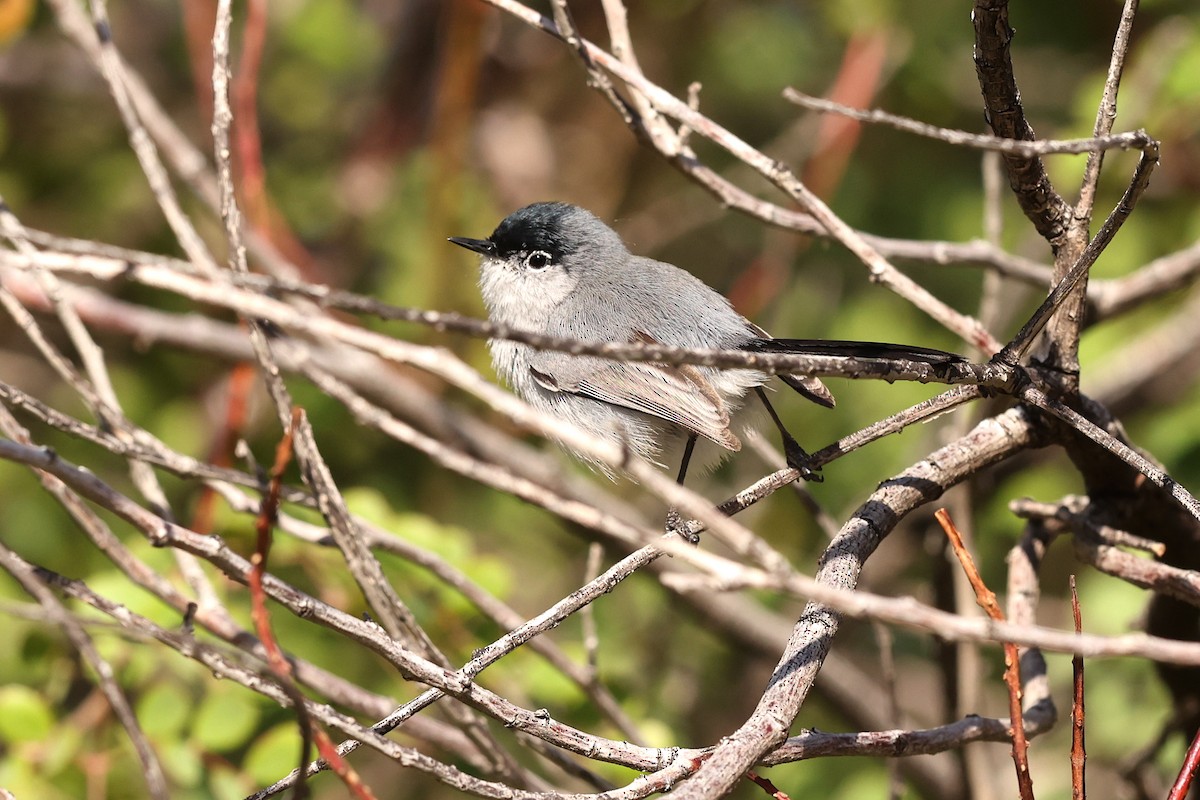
pixel 556 269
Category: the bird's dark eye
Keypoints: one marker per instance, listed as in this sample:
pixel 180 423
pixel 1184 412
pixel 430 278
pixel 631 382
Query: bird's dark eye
pixel 538 259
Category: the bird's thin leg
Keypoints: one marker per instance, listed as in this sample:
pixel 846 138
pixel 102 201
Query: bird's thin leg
pixel 674 521
pixel 797 458
pixel 687 458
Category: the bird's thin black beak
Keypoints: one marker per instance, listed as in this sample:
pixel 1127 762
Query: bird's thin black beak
pixel 484 247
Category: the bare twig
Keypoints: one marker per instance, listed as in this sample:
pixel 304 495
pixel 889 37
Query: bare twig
pixel 183 157
pixel 1024 594
pixel 100 46
pixel 591 637
pixel 921 412
pixel 505 617
pixel 97 391
pixel 887 673
pixel 814 744
pixel 264 524
pixel 1191 763
pixel 393 614
pixel 765 784
pixel 1018 147
pixel 1078 750
pixel 1075 511
pixel 1166 274
pixel 1106 114
pixel 1182 584
pixel 1012 664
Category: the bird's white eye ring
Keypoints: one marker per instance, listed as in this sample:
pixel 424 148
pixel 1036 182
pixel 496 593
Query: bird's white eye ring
pixel 538 259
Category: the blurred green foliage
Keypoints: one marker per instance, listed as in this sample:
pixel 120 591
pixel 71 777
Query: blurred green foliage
pixel 375 150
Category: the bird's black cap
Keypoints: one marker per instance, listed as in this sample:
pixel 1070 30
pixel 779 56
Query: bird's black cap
pixel 541 226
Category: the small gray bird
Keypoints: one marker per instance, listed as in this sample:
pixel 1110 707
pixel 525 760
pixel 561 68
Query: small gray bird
pixel 555 269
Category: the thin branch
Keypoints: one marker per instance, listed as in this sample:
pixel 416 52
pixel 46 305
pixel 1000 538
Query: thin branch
pixel 591 635
pixel 264 523
pixel 100 46
pixel 901 743
pixel 986 599
pixel 486 656
pixel 393 614
pixel 1078 750
pixel 1187 771
pixel 1133 140
pixel 1106 113
pixel 98 392
pixel 1162 357
pixel 1182 584
pixel 1162 275
pixel 400 392
pixel 597 79
pixel 188 162
pixel 1076 511
pixel 367 572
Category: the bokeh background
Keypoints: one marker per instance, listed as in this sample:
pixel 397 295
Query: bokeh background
pixel 388 126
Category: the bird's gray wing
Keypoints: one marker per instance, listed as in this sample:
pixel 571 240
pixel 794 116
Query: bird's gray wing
pixel 678 394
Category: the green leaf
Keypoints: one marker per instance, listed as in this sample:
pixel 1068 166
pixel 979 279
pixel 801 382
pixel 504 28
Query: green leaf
pixel 163 710
pixel 19 776
pixel 227 784
pixel 274 754
pixel 25 716
pixel 225 720
pixel 181 762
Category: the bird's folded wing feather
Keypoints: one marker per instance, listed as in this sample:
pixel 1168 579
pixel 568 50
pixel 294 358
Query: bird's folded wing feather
pixel 681 394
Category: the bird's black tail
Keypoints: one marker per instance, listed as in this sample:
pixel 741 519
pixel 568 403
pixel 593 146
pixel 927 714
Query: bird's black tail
pixel 818 392
pixel 849 349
